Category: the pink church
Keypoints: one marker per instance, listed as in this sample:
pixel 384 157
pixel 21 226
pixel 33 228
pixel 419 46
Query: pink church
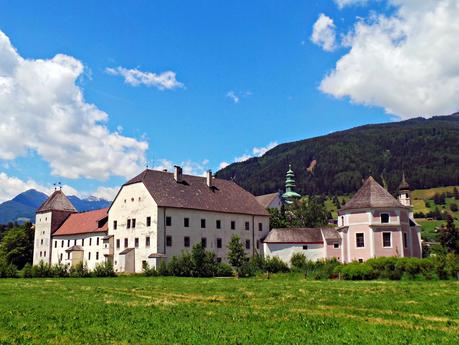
pixel 372 224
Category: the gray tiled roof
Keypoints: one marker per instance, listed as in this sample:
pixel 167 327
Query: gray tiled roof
pixel 372 195
pixel 266 199
pixel 57 202
pixel 294 235
pixel 193 193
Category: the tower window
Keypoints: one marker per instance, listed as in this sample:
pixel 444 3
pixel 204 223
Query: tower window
pixel 405 240
pixel 387 239
pixel 385 218
pixel 136 242
pixel 125 243
pixel 133 223
pixel 128 225
pixel 148 221
pixel 360 240
pixel 115 224
pixel 260 226
pixel 118 245
pixel 147 241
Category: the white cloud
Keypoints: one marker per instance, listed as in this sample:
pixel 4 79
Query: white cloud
pixel 189 167
pixel 163 81
pixel 236 96
pixel 323 33
pixel 405 62
pixel 42 110
pixel 343 3
pixel 255 152
pixel 106 193
pixel 11 186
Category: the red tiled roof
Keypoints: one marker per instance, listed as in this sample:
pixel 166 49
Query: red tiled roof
pixel 85 222
pixel 193 193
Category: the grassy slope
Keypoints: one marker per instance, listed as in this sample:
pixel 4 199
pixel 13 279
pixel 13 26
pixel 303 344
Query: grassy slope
pixel 288 310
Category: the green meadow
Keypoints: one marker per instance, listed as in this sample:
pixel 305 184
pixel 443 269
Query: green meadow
pixel 285 309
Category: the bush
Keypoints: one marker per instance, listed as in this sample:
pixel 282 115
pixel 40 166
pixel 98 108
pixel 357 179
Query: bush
pixel 298 262
pixel 452 265
pixel 248 269
pixel 162 269
pixel 150 271
pixel 453 207
pixel 356 271
pixel 181 266
pixel 80 270
pixel 104 269
pixel 275 265
pixel 59 270
pixel 7 270
pixel 224 270
pixel 27 271
pixel 321 269
pixel 42 270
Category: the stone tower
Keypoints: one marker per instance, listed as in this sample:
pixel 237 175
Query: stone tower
pixel 49 217
pixel 404 192
pixel 290 195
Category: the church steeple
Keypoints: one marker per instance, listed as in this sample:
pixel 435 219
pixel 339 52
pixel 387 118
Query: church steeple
pixel 404 192
pixel 290 194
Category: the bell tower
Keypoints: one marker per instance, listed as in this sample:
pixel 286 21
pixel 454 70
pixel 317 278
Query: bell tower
pixel 49 217
pixel 290 195
pixel 404 192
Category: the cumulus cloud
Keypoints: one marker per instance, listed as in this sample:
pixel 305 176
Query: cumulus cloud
pixel 323 33
pixel 189 167
pixel 343 3
pixel 404 62
pixel 42 109
pixel 163 81
pixel 255 152
pixel 11 186
pixel 106 193
pixel 236 96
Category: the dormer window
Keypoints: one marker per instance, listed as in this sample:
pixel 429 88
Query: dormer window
pixel 385 218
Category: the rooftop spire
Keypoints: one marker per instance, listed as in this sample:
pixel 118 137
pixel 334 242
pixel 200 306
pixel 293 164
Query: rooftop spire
pixel 290 194
pixel 404 185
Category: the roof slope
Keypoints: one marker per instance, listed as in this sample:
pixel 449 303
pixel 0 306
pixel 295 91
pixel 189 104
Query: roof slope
pixel 372 195
pixel 193 193
pixel 57 202
pixel 267 199
pixel 85 222
pixel 295 235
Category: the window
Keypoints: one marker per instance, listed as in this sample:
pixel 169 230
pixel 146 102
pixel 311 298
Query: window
pixel 125 243
pixel 360 260
pixel 359 240
pixel 61 257
pixel 97 241
pixel 387 239
pixel 186 241
pixel 233 225
pixel 68 255
pixel 258 244
pixel 336 245
pixel 218 224
pixel 41 242
pixel 405 240
pixel 260 226
pixel 55 244
pixel 115 225
pixel 148 221
pixel 133 223
pixel 168 221
pixel 144 264
pixel 247 244
pixel 40 254
pixel 136 242
pixel 68 243
pixel 247 225
pixel 97 255
pixel 219 260
pixel 305 247
pixel 384 218
pixel 90 241
pixel 186 222
pixel 44 253
pixel 62 244
pixel 203 223
pixel 89 256
pixel 147 241
pixel 169 241
pixel 342 220
pixel 128 225
pixel 82 241
pixel 204 242
pixel 74 242
pixel 118 243
pixel 219 242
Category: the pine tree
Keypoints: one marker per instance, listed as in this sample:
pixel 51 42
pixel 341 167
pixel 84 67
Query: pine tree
pixel 449 236
pixel 236 253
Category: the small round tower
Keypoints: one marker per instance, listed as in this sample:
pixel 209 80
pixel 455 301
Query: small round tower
pixel 404 192
pixel 290 195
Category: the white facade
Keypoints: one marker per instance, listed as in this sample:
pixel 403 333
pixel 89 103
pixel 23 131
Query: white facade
pixel 170 231
pixel 42 241
pixel 285 251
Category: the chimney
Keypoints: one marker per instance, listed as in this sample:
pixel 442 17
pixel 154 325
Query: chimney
pixel 209 178
pixel 178 174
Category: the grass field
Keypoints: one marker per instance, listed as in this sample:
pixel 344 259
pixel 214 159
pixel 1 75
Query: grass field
pixel 284 309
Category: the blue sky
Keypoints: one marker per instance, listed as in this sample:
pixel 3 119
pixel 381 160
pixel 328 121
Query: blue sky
pixel 247 74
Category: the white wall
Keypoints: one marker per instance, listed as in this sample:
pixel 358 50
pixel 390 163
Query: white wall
pixel 42 245
pixel 61 243
pixel 285 251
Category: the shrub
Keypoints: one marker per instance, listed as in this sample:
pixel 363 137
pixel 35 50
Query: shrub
pixel 356 271
pixel 321 269
pixel 298 262
pixel 452 265
pixel 162 269
pixel 248 269
pixel 80 270
pixel 453 207
pixel 7 270
pixel 59 270
pixel 259 262
pixel 204 262
pixel 275 265
pixel 42 270
pixel 27 271
pixel 224 270
pixel 150 271
pixel 104 269
pixel 181 266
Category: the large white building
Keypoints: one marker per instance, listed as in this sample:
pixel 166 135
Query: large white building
pixel 155 216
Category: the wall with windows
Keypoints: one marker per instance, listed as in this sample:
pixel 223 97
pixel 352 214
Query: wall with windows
pixel 92 244
pixel 180 229
pixel 388 242
pixel 42 238
pixel 285 251
pixel 132 220
pixel 357 249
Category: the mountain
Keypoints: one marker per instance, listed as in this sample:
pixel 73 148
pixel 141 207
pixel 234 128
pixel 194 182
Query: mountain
pixel 427 150
pixel 23 206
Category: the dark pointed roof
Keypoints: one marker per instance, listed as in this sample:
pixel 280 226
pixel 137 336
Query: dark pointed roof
pixel 372 195
pixel 57 202
pixel 404 185
pixel 193 193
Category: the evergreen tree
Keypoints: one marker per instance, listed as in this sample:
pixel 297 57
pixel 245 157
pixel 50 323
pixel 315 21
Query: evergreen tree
pixel 236 253
pixel 449 236
pixel 456 193
pixel 16 247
